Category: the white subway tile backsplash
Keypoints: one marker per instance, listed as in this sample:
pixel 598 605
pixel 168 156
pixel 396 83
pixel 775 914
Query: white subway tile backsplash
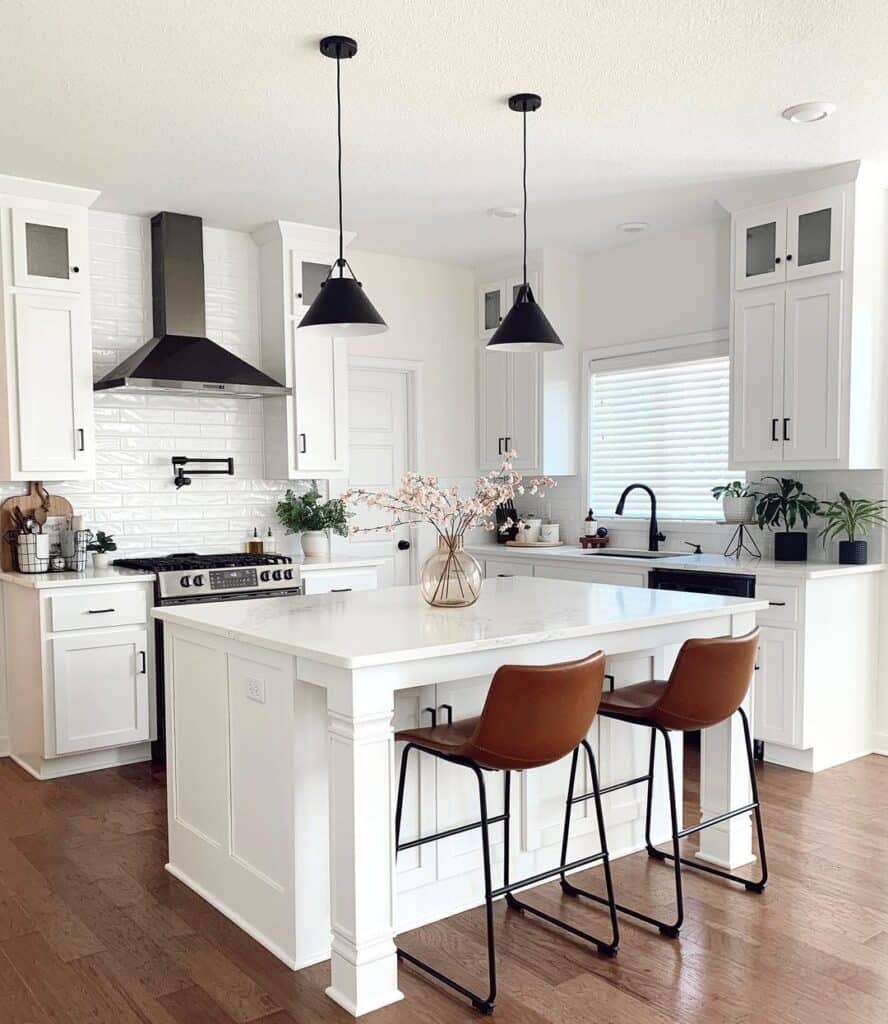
pixel 133 495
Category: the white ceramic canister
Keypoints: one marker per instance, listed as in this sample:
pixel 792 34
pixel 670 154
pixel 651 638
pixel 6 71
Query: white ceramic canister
pixel 550 532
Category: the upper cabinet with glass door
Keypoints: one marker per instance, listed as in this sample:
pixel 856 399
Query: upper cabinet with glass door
pixel 49 249
pixel 790 240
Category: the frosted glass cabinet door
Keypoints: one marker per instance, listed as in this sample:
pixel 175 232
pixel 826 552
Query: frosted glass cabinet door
pixel 49 250
pixel 493 304
pixel 307 274
pixel 815 234
pixel 760 246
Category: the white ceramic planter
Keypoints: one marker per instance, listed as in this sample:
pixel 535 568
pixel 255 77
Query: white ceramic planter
pixel 738 510
pixel 315 544
pixel 101 560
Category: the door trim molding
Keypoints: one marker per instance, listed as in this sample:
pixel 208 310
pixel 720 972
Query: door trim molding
pixel 412 369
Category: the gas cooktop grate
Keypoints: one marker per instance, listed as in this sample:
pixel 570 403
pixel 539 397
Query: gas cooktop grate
pixel 189 561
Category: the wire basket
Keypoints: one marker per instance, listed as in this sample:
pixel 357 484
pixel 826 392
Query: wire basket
pixel 74 549
pixel 30 551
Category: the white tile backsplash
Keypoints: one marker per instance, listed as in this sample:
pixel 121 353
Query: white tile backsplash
pixel 133 495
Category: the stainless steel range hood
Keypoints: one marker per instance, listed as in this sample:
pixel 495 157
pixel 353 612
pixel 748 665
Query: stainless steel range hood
pixel 179 358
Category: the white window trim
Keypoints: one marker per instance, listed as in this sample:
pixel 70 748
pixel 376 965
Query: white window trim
pixel 700 345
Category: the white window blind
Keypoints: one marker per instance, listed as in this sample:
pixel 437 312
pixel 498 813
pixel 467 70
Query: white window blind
pixel 662 425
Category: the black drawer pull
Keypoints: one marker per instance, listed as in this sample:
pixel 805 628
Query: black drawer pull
pixel 449 709
pixel 505 575
pixel 612 682
pixel 143 670
pixel 434 713
pixel 340 590
pixel 100 611
pixel 777 604
pixel 774 429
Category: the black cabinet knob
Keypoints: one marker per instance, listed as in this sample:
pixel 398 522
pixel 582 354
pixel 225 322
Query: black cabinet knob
pixel 777 259
pixel 789 257
pixel 75 270
pixel 403 545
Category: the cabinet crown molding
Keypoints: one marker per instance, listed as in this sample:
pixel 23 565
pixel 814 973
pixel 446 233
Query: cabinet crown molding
pixel 307 237
pixel 44 191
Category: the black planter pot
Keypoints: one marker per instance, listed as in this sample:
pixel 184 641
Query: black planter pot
pixel 852 552
pixel 791 547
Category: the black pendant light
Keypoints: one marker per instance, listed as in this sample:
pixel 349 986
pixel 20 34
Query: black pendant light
pixel 525 327
pixel 341 307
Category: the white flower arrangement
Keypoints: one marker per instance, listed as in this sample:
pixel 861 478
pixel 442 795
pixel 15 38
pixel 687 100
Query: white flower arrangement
pixel 421 499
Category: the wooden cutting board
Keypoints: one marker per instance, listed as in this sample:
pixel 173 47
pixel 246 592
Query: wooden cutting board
pixel 39 503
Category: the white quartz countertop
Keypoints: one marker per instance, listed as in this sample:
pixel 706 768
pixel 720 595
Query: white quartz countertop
pixel 701 563
pixel 88 578
pixel 379 627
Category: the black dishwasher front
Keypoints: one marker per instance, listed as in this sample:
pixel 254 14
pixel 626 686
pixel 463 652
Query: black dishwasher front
pixel 728 583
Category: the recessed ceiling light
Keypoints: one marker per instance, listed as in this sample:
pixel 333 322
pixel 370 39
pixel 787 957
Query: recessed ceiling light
pixel 633 227
pixel 808 113
pixel 506 212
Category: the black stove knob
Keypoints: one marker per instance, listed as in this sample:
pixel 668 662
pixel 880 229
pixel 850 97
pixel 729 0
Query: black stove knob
pixel 265 576
pixel 185 581
pixel 198 580
pixel 288 574
pixel 276 575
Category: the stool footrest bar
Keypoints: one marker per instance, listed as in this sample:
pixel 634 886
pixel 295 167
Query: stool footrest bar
pixel 543 875
pixel 447 833
pixel 616 786
pixel 716 820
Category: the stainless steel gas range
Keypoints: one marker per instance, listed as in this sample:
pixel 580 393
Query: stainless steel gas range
pixel 191 578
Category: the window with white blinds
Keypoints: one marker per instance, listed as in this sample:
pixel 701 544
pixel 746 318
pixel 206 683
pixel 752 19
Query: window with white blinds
pixel 664 425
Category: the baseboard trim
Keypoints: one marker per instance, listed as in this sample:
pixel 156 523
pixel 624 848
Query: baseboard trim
pixel 4 746
pixel 254 933
pixel 880 743
pixel 89 761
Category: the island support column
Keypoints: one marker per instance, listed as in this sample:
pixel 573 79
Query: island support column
pixel 363 962
pixel 724 782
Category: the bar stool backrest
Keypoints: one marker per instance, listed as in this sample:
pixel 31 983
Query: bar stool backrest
pixel 708 682
pixel 536 714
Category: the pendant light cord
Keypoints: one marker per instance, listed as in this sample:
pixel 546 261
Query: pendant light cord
pixel 524 183
pixel 339 153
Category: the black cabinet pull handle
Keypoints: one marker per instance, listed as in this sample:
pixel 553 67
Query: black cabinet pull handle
pixel 611 681
pixel 499 446
pixel 774 429
pixel 143 671
pixel 449 709
pixel 785 428
pixel 508 444
pixel 340 590
pixel 99 611
pixel 303 444
pixel 777 604
pixel 81 440
pixel 434 713
pixel 505 575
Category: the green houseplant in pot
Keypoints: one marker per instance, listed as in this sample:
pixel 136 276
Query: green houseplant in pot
pixel 102 547
pixel 853 518
pixel 786 506
pixel 738 501
pixel 313 519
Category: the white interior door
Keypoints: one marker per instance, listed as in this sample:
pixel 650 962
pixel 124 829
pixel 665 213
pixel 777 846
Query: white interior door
pixel 379 456
pixel 811 427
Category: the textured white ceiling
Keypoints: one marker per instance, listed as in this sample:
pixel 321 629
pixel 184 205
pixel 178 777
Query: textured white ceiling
pixel 226 109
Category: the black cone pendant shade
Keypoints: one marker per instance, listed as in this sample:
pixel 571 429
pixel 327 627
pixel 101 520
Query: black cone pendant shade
pixel 526 327
pixel 341 308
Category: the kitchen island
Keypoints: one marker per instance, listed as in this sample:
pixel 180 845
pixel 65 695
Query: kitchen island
pixel 281 755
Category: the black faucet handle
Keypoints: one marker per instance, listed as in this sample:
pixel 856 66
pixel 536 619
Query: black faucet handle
pixel 697 549
pixel 661 535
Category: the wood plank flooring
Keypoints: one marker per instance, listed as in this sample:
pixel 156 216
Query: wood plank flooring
pixel 92 929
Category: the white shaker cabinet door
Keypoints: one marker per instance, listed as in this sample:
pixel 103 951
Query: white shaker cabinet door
pixel 100 685
pixel 494 407
pixel 757 377
pixel 53 386
pixel 811 426
pixel 775 700
pixel 320 374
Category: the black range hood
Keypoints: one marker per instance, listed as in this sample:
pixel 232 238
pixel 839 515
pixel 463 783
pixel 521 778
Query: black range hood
pixel 180 358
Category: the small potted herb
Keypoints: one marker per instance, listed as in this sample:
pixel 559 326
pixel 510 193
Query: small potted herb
pixel 313 519
pixel 738 501
pixel 789 504
pixel 853 517
pixel 101 547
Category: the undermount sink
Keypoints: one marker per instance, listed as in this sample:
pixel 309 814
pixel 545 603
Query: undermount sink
pixel 598 553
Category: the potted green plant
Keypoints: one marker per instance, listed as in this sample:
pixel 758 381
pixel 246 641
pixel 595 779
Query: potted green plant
pixel 853 517
pixel 789 504
pixel 313 519
pixel 101 547
pixel 738 501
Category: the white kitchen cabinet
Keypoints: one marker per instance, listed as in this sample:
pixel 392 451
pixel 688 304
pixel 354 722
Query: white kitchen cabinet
pixel 622 577
pixel 807 360
pixel 53 395
pixel 100 688
pixel 79 673
pixel 776 704
pixel 306 433
pixel 339 579
pixel 528 402
pixel 788 241
pixel 46 388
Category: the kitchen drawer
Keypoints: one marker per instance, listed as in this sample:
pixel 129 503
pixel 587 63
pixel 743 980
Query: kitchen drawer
pixel 501 567
pixel 334 580
pixel 783 604
pixel 98 609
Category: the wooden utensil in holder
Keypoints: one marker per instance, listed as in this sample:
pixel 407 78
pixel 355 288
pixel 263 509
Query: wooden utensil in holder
pixel 37 504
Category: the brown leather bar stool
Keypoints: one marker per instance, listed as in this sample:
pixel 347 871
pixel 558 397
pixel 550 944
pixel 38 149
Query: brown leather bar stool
pixel 533 716
pixel 707 685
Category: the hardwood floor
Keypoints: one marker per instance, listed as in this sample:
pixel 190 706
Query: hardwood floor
pixel 92 929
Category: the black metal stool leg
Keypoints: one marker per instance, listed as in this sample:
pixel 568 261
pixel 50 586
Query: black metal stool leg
pixel 399 803
pixel 568 807
pixel 672 930
pixel 486 1005
pixel 758 886
pixel 602 837
pixel 507 815
pixel 651 849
